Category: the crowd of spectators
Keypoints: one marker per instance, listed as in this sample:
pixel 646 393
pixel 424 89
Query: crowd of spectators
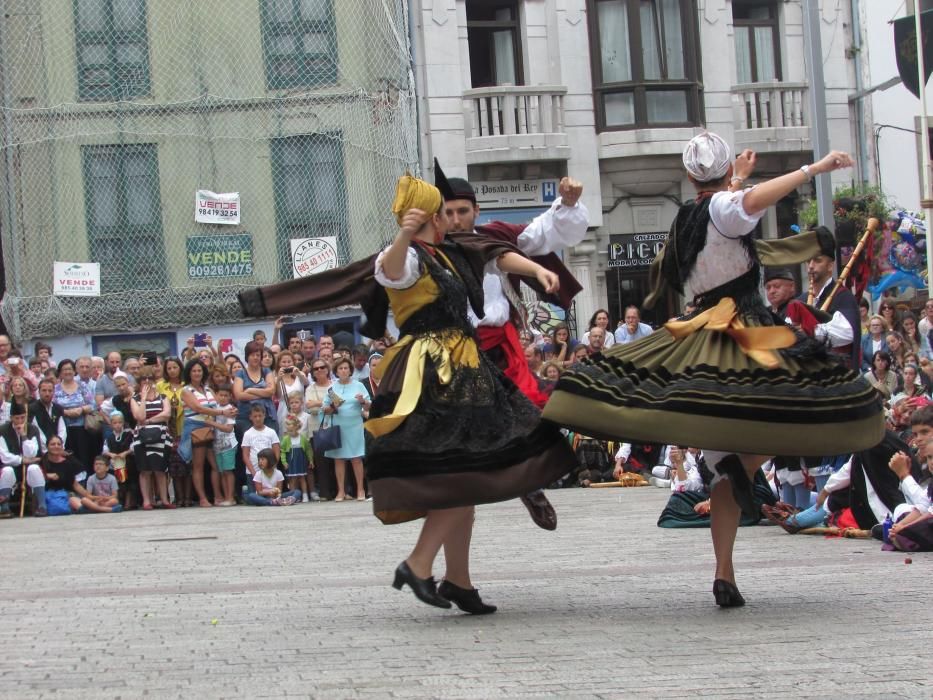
pixel 117 433
pixel 212 430
pixel 898 362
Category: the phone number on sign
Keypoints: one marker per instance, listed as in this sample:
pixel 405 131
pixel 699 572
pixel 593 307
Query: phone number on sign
pixel 229 270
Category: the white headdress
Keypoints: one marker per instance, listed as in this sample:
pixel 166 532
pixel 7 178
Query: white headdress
pixel 707 157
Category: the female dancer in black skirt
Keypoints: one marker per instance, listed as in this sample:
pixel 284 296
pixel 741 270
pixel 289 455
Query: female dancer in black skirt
pixel 447 431
pixel 730 377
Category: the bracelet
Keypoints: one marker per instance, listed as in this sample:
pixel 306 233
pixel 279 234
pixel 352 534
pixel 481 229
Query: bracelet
pixel 805 169
pixel 740 180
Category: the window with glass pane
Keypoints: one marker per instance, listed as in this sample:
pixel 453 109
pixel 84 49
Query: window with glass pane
pixel 310 193
pixel 300 43
pixel 494 43
pixel 123 214
pixel 755 25
pixel 645 62
pixel 112 49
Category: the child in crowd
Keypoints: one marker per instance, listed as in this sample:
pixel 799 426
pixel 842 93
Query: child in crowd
pixel 258 438
pixel 297 456
pixel 268 482
pixel 918 498
pixel 119 453
pixel 222 478
pixel 101 489
pixel 296 407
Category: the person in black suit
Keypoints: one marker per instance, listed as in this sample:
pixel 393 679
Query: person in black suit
pixel 820 270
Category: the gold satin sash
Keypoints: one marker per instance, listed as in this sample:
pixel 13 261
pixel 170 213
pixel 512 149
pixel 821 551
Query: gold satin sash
pixel 459 350
pixel 758 343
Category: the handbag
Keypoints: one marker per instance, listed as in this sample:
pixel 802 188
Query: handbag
pixel 56 503
pixel 327 438
pixel 93 422
pixel 202 437
pixel 150 435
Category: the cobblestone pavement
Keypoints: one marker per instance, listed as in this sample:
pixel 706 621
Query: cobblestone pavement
pixel 272 602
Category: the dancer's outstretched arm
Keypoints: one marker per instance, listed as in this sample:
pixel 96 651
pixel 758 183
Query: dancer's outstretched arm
pixel 770 192
pixel 515 264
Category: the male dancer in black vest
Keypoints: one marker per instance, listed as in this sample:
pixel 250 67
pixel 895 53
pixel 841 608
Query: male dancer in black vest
pixel 46 414
pixel 21 447
pixel 564 224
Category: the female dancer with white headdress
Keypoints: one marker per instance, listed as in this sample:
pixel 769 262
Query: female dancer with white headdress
pixel 730 377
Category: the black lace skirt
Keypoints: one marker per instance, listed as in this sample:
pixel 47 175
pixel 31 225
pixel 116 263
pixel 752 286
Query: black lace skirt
pixel 472 437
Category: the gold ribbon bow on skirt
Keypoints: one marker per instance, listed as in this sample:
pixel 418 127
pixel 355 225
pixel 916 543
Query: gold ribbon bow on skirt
pixel 758 342
pixel 446 353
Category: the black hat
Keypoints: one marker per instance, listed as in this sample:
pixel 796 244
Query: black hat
pixel 17 409
pixel 778 273
pixel 454 187
pixel 826 241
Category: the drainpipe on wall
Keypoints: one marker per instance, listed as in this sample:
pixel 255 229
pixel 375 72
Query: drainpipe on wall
pixel 420 81
pixel 859 105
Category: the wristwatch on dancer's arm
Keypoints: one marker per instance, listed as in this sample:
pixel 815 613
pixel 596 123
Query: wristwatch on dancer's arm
pixel 742 169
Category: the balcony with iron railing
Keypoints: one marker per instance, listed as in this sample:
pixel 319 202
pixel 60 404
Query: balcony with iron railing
pixel 513 123
pixel 771 117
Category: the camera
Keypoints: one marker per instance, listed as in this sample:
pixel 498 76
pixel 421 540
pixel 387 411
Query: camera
pixel 288 370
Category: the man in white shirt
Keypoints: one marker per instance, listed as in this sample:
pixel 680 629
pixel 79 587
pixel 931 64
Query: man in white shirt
pixel 563 224
pixel 820 271
pixel 926 323
pixel 632 328
pixel 781 288
pixel 597 338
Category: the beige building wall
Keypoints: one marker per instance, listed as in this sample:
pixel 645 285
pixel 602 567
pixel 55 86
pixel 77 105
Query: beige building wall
pixel 212 118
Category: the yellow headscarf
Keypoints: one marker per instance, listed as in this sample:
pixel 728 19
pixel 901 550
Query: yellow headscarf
pixel 412 193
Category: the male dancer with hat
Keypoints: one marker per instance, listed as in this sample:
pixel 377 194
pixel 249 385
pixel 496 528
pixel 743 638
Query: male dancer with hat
pixel 820 271
pixel 563 224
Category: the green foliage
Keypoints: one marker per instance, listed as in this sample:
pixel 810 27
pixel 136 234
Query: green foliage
pixel 809 215
pixel 856 203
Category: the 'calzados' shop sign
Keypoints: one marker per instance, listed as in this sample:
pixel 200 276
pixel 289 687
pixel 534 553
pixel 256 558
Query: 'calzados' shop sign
pixel 635 250
pixel 220 256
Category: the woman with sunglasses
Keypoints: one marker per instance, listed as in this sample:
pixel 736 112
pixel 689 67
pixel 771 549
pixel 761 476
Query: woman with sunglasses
pixel 324 475
pixel 887 311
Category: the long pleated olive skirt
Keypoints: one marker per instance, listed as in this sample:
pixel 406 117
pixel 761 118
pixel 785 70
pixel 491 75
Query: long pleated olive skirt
pixel 704 391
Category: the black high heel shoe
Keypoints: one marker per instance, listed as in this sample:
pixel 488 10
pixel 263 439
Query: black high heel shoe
pixel 467 599
pixel 425 589
pixel 727 595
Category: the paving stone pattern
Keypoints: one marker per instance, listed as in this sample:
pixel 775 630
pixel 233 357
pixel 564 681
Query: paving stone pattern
pixel 296 602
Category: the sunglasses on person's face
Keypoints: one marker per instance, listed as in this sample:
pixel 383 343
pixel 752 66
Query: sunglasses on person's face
pixel 316 369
